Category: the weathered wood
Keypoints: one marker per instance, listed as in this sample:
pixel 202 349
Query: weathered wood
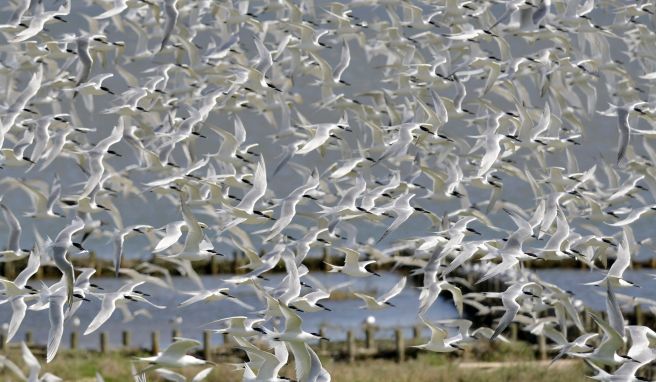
pixel 75 341
pixel 514 331
pixel 175 333
pixel 542 347
pixel 207 345
pixel 104 342
pixel 3 343
pixel 352 348
pixel 326 259
pixel 126 339
pixel 416 333
pixel 29 337
pixel 639 317
pixel 400 345
pixel 370 336
pixel 154 342
pixel 214 265
pixel 226 339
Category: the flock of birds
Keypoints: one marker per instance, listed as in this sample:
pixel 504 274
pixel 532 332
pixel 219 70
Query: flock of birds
pixel 454 120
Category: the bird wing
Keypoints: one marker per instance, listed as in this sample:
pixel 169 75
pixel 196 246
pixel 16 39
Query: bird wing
pixel 257 191
pixel 394 291
pixel 180 347
pixel 623 125
pixel 172 234
pixel 107 308
pixel 56 315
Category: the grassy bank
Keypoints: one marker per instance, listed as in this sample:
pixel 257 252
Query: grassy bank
pixel 82 366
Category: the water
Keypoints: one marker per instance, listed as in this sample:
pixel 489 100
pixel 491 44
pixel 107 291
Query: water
pixel 595 296
pixel 196 315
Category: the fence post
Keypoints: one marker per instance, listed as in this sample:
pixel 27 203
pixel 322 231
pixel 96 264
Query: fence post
pixel 175 333
pixel 350 339
pixel 639 318
pixel 104 342
pixel 214 265
pixel 154 339
pixel 370 336
pixel 74 340
pixel 28 337
pixel 400 345
pixel 326 259
pixel 323 345
pixel 207 344
pixel 3 343
pixel 416 333
pixel 542 347
pixel 514 331
pixel 226 339
pixel 125 339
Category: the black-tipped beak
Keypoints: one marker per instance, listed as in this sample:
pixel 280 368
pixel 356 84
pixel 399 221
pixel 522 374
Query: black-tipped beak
pixel 390 304
pixel 97 286
pixel 260 330
pixel 78 246
pixel 473 231
pixel 80 297
pixel 141 293
pixel 375 274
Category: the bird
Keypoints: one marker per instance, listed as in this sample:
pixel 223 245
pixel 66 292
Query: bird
pixel 174 356
pixel 110 301
pixel 352 266
pixel 382 302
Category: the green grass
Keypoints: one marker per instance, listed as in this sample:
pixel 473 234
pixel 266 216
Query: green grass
pixel 433 367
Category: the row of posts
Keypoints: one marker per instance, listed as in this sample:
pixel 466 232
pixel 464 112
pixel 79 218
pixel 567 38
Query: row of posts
pixel 126 341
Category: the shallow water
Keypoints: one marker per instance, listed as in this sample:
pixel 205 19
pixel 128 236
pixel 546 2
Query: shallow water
pixel 350 315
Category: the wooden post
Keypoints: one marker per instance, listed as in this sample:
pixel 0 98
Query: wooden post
pixel 639 318
pixel 542 347
pixel 154 339
pixel 28 337
pixel 350 340
pixel 587 321
pixel 126 340
pixel 370 336
pixel 104 342
pixel 416 333
pixel 75 342
pixel 323 345
pixel 514 331
pixel 214 265
pixel 326 259
pixel 235 262
pixel 207 344
pixel 400 345
pixel 3 343
pixel 226 339
pixel 176 333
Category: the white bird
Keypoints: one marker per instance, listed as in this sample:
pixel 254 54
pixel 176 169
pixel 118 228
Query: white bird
pixel 382 302
pixel 509 299
pixel 439 341
pixel 110 301
pixel 352 266
pixel 172 14
pixel 614 277
pixel 60 246
pixel 175 356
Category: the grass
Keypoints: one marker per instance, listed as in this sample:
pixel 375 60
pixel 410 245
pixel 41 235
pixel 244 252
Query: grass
pixel 433 367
